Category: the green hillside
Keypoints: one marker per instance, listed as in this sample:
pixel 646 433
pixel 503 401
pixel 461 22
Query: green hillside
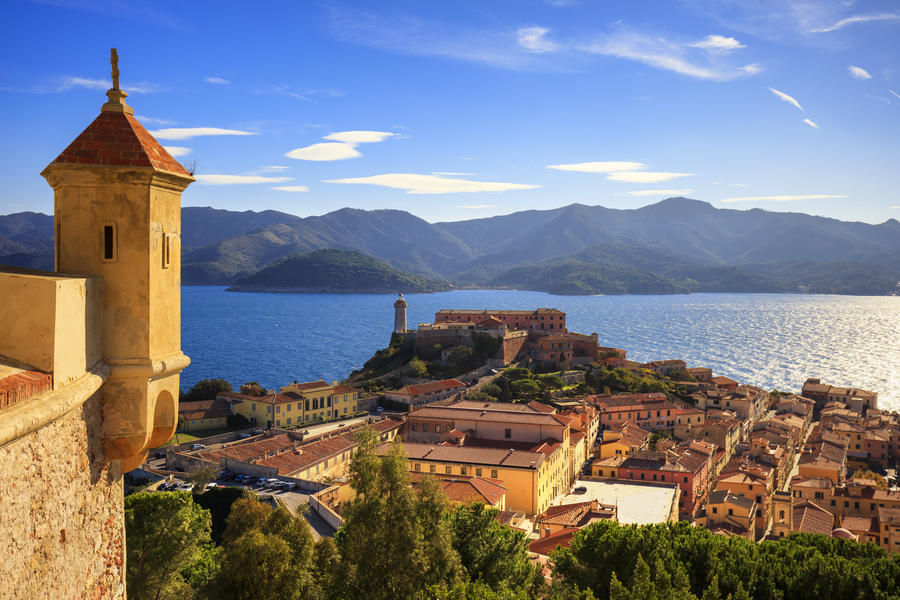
pixel 339 271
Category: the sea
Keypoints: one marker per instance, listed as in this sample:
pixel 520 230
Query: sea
pixel 767 340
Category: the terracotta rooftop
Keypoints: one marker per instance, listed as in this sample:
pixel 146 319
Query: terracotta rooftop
pixel 577 515
pixel 117 139
pixel 504 416
pixel 546 545
pixel 728 497
pixel 18 384
pixel 204 409
pixel 473 455
pixel 812 518
pixel 310 385
pixel 465 489
pixel 431 387
pixel 540 311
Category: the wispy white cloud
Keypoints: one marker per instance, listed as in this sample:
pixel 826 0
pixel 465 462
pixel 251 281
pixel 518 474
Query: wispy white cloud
pixel 895 94
pixel 186 133
pixel 599 167
pixel 786 98
pixel 308 95
pixel 219 179
pixel 291 188
pixel 534 39
pixel 274 168
pixel 718 44
pixel 413 183
pixel 858 72
pixel 216 80
pixel 879 98
pixel 859 19
pixel 342 147
pixel 660 53
pixel 358 137
pixel 478 206
pixel 69 82
pixel 811 123
pixel 645 176
pixel 784 198
pixel 325 151
pixel 894 207
pixel 177 150
pixel 413 35
pixel 153 121
pixel 683 192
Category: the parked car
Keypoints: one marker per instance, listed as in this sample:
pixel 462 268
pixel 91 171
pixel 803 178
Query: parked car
pixel 580 490
pixel 198 447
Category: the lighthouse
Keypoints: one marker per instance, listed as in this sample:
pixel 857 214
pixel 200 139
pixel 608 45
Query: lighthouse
pixel 400 314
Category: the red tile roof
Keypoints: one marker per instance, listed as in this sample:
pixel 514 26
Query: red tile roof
pixel 23 384
pixel 117 139
pixel 546 545
pixel 432 387
pixel 812 518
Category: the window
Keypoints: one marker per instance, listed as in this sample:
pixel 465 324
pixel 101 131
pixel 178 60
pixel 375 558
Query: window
pixel 413 426
pixel 307 405
pixel 110 252
pixel 478 472
pixel 299 406
pixel 462 471
pixel 820 495
pixel 315 403
pixel 494 473
pixel 289 421
pixel 166 250
pixel 507 433
pixel 730 511
pixel 448 470
pixel 416 466
pixel 432 468
pixel 715 510
pixel 253 406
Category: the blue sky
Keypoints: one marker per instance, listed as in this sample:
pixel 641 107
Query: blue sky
pixel 464 109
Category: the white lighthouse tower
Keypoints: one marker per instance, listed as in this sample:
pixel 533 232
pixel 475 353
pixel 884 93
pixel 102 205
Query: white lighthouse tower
pixel 400 314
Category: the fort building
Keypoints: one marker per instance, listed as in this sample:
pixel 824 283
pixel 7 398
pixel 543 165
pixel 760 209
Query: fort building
pixel 90 357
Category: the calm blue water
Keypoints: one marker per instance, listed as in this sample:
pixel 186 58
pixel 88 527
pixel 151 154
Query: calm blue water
pixel 767 340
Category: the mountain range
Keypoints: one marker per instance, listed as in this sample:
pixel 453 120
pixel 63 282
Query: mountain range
pixel 674 246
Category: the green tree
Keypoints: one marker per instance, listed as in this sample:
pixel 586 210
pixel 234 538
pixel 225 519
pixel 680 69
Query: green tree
pixel 417 368
pixel 488 550
pixel 206 389
pixel 268 555
pixel 393 543
pixel 550 381
pixel 524 388
pixel 237 421
pixel 462 358
pixel 252 388
pixel 491 389
pixel 164 534
pixel 201 477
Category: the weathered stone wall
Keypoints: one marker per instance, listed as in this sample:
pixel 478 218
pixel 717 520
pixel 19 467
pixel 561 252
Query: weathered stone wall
pixel 62 532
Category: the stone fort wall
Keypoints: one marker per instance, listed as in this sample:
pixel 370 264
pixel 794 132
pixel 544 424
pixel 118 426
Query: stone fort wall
pixel 62 533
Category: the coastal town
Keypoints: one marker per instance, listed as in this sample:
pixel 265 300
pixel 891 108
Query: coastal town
pixel 556 431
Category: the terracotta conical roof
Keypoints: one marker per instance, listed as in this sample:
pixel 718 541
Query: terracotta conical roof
pixel 117 139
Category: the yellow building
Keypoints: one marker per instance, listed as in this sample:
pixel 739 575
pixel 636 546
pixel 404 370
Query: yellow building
pixel 298 404
pixel 533 479
pixel 623 439
pixel 90 358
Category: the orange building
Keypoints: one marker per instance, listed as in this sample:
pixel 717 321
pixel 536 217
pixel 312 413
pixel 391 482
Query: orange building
pixel 541 318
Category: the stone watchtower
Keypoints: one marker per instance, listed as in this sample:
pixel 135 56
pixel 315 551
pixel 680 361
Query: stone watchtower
pixel 400 314
pixel 117 212
pixel 90 358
